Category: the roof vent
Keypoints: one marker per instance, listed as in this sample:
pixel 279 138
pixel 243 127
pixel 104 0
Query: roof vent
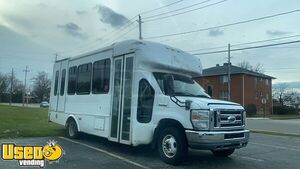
pixel 217 65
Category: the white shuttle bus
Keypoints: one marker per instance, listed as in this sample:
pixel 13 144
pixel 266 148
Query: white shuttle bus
pixel 139 92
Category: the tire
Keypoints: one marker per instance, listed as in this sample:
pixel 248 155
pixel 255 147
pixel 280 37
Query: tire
pixel 223 153
pixel 72 129
pixel 172 145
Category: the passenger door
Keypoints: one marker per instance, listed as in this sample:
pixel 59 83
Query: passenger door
pixel 62 92
pixel 122 99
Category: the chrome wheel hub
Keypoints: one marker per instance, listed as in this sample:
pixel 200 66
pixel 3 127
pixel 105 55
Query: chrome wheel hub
pixel 169 146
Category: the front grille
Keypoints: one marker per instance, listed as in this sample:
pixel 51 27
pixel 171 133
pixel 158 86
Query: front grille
pixel 228 118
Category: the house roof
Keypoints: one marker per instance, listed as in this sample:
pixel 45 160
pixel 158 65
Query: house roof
pixel 223 70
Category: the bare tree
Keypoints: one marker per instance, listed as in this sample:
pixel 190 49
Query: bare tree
pixel 41 86
pixel 4 84
pixel 246 65
pixel 279 92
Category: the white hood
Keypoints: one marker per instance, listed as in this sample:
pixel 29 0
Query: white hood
pixel 207 103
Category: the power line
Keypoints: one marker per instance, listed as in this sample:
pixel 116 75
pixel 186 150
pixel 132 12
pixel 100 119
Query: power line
pixel 111 34
pixel 283 68
pixel 226 25
pixel 150 20
pixel 114 40
pixel 247 43
pixel 247 48
pixel 152 10
pixel 153 16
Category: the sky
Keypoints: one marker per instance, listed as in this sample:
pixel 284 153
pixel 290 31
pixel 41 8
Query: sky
pixel 32 32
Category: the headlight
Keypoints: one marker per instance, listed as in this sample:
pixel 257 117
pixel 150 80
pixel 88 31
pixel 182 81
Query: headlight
pixel 200 119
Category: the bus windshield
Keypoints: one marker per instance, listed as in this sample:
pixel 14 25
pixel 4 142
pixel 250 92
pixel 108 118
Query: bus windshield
pixel 179 85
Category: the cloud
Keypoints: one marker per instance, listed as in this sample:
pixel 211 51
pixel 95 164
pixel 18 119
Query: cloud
pixel 111 17
pixel 215 32
pixel 81 12
pixel 73 30
pixel 276 33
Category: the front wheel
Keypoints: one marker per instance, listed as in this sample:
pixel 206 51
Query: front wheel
pixel 223 153
pixel 172 145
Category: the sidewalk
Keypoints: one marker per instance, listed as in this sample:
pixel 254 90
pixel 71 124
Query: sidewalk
pixel 34 105
pixel 288 127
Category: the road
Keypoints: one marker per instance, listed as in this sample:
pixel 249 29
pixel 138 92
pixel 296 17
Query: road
pixel 263 151
pixel 280 126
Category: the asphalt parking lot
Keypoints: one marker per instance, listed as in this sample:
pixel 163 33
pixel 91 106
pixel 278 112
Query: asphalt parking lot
pixel 263 151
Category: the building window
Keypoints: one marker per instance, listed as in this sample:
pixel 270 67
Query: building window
pixel 84 79
pixel 267 82
pixel 257 95
pixel 145 102
pixel 72 80
pixel 62 82
pixel 261 94
pixel 101 76
pixel 224 95
pixel 224 79
pixel 267 96
pixel 210 90
pixel 56 82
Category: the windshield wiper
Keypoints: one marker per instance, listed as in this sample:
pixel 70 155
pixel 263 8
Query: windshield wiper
pixel 189 94
pixel 202 95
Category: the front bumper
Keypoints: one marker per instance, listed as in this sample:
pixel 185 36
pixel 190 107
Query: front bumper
pixel 217 140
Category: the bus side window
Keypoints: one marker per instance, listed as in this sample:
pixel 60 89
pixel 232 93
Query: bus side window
pixel 72 80
pixel 145 102
pixel 62 83
pixel 84 73
pixel 56 82
pixel 101 76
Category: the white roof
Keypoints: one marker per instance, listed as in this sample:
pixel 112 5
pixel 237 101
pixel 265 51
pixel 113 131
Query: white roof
pixel 155 56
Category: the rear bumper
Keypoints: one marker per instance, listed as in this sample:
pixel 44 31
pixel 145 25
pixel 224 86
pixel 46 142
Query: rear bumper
pixel 208 140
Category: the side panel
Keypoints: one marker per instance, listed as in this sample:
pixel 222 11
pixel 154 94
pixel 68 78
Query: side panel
pixel 91 110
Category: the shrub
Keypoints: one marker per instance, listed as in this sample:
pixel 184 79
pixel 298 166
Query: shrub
pixel 284 110
pixel 251 109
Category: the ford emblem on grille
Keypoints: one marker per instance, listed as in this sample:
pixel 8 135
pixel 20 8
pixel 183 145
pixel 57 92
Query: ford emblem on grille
pixel 231 119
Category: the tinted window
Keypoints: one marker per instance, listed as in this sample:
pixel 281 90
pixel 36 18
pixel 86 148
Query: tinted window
pixel 101 76
pixel 84 79
pixel 72 80
pixel 56 82
pixel 145 102
pixel 62 83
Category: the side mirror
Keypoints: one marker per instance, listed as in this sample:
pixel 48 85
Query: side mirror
pixel 169 85
pixel 188 104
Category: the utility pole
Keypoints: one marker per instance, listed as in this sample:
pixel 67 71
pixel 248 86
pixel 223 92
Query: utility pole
pixel 11 86
pixel 140 27
pixel 24 90
pixel 229 72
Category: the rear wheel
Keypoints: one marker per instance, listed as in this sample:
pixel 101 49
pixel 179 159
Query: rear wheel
pixel 223 153
pixel 72 129
pixel 172 146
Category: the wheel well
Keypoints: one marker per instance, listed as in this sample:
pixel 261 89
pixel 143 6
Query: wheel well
pixel 162 124
pixel 69 120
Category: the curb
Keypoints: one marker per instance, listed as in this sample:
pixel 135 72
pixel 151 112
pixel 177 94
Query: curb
pixel 275 133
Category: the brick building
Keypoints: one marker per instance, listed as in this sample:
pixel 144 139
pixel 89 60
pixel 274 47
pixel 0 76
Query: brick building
pixel 247 87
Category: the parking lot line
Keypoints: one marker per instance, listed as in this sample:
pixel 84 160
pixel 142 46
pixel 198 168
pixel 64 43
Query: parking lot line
pixel 274 146
pixel 106 152
pixel 251 158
